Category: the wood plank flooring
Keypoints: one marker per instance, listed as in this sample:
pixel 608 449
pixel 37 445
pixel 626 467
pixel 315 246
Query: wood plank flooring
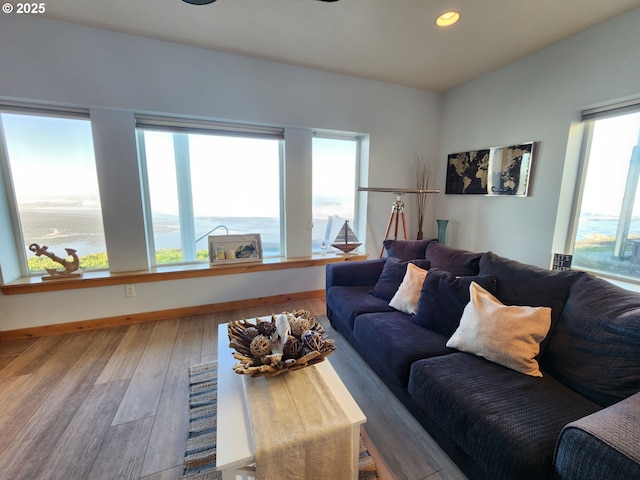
pixel 111 404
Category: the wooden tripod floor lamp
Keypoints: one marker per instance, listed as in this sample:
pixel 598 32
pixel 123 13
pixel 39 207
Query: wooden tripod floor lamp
pixel 397 209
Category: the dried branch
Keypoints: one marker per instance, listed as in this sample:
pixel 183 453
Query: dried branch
pixel 424 174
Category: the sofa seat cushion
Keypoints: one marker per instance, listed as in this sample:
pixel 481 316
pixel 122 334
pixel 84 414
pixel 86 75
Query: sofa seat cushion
pixel 391 342
pixel 507 422
pixel 346 303
pixel 595 348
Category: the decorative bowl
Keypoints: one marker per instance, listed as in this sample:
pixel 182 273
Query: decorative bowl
pixel 285 342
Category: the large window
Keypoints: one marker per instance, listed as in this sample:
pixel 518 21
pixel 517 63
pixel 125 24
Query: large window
pixel 335 162
pixel 204 182
pixel 198 178
pixel 50 161
pixel 607 239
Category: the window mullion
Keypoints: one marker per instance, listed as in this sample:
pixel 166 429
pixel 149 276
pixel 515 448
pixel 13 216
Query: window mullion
pixel 12 202
pixel 283 210
pixel 148 214
pixel 185 198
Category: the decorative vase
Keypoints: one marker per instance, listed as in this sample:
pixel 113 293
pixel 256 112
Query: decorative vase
pixel 442 230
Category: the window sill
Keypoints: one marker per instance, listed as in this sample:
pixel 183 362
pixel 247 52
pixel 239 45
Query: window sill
pixel 176 272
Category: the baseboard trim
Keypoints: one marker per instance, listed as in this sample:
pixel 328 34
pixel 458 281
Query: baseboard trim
pixel 95 324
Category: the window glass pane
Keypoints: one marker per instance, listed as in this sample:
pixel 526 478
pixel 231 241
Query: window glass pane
pixel 236 183
pixel 203 184
pixel 334 186
pixel 163 193
pixel 608 234
pixel 52 167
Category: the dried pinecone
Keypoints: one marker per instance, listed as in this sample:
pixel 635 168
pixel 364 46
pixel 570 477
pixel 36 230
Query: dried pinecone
pixel 292 348
pixel 249 334
pixel 266 328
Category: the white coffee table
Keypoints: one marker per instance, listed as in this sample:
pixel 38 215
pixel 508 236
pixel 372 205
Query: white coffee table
pixel 235 441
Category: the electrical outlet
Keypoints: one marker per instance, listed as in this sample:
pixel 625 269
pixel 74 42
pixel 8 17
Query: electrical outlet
pixel 129 291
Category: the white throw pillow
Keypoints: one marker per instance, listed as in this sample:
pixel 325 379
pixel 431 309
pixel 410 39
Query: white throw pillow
pixel 408 294
pixel 507 335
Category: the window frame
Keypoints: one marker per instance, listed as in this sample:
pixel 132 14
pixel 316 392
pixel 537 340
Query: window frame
pixel 21 108
pixel 13 258
pixel 357 138
pixel 589 117
pixel 181 128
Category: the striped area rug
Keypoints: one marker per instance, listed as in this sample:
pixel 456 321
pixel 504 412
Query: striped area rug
pixel 200 453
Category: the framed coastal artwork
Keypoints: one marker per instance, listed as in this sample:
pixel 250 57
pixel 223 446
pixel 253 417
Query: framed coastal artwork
pixel 226 249
pixel 491 171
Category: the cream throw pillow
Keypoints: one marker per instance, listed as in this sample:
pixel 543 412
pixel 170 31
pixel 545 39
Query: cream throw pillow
pixel 408 294
pixel 507 335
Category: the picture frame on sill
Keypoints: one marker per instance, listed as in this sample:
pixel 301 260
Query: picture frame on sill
pixel 231 249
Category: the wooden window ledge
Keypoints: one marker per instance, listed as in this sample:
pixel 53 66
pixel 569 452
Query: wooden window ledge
pixel 175 272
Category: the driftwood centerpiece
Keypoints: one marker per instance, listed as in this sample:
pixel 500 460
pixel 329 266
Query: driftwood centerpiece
pixel 286 342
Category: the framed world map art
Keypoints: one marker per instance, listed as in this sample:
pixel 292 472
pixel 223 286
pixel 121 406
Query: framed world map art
pixel 490 171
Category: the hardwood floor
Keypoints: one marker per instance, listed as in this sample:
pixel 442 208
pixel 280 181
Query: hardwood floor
pixel 111 404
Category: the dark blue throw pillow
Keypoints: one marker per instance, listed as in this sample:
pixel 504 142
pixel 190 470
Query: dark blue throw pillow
pixel 391 277
pixel 443 299
pixel 406 249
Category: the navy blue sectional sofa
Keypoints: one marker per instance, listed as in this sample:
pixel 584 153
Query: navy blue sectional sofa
pixel 579 420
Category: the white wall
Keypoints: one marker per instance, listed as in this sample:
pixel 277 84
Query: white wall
pixel 118 75
pixel 538 98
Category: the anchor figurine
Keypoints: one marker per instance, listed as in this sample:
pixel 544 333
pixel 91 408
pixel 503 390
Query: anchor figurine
pixel 69 266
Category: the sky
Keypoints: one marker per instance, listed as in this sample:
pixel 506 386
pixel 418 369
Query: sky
pixel 50 157
pixel 219 165
pixel 611 149
pixel 53 158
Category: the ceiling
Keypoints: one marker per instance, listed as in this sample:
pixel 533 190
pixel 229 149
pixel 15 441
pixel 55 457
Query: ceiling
pixel 393 41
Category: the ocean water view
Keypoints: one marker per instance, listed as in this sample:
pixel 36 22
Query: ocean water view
pixel 599 228
pixel 80 228
pixel 72 226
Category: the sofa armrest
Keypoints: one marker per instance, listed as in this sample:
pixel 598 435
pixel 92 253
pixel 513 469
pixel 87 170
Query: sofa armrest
pixel 353 274
pixel 605 444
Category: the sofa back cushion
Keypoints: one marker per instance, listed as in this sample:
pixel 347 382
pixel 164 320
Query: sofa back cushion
pixel 521 284
pixel 392 275
pixel 443 298
pixel 406 249
pixel 595 347
pixel 453 260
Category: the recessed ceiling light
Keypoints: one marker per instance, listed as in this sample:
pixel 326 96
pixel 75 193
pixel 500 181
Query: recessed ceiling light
pixel 447 19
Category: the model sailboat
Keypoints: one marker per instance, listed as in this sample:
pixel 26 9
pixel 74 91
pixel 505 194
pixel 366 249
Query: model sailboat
pixel 346 240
